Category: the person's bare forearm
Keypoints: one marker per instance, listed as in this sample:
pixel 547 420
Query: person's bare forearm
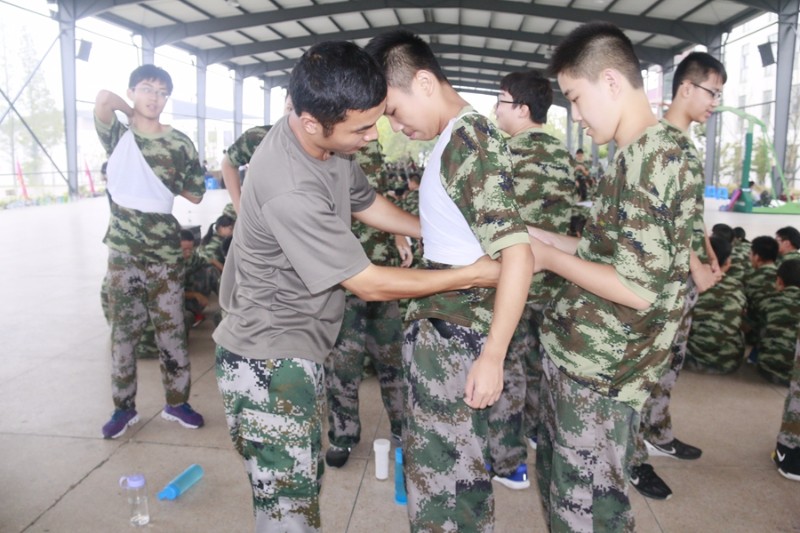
pixel 565 243
pixel 512 292
pixel 106 103
pixel 597 278
pixel 386 216
pixel 378 283
pixel 230 176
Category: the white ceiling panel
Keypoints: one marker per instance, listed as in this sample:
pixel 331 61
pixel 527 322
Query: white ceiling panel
pixel 183 15
pixel 320 25
pixel 289 29
pixel 351 21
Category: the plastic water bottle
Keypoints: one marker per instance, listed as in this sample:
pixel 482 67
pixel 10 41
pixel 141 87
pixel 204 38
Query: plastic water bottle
pixel 381 448
pixel 400 497
pixel 136 490
pixel 181 483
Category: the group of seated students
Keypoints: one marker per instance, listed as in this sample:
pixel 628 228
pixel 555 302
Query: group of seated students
pixel 756 305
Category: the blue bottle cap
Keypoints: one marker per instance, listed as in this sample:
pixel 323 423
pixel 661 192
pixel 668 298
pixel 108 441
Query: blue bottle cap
pixel 170 492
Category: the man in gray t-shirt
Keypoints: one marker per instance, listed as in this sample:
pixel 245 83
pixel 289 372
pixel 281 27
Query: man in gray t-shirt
pixel 291 256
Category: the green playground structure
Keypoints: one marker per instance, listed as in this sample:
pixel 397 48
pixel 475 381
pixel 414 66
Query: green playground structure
pixel 742 199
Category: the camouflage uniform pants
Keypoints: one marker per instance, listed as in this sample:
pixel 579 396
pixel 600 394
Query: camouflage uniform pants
pixel 274 410
pixel 445 441
pixel 146 347
pixel 790 426
pixel 138 293
pixel 581 456
pixel 373 328
pixel 656 421
pixel 510 416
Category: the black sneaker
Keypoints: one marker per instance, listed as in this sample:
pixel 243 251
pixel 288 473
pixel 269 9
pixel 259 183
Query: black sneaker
pixel 646 481
pixel 675 449
pixel 337 457
pixel 788 461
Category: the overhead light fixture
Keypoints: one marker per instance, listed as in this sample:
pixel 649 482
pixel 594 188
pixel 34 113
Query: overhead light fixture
pixel 232 3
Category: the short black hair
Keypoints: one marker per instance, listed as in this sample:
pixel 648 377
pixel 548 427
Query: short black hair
pixel 592 47
pixel 765 247
pixel 414 176
pixel 724 231
pixel 532 89
pixel 401 54
pixel 150 72
pixel 579 151
pixel 696 68
pixel 187 235
pixel 739 233
pixel 722 248
pixel 790 233
pixel 332 78
pixel 789 273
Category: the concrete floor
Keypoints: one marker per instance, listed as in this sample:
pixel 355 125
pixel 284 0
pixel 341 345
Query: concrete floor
pixel 58 475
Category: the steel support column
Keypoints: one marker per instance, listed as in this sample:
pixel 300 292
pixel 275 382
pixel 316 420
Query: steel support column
pixel 710 170
pixel 66 19
pixel 201 105
pixel 238 98
pixel 787 38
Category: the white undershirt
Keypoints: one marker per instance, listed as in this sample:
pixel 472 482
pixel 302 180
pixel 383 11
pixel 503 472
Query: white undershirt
pixel 447 237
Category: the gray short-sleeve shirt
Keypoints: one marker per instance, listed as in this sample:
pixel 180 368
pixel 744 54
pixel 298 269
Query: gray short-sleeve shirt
pixel 292 246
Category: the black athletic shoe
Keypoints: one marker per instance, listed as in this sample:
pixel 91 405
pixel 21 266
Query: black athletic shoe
pixel 788 461
pixel 337 457
pixel 646 481
pixel 675 449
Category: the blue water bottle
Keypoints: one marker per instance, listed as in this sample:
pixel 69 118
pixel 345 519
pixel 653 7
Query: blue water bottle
pixel 181 483
pixel 399 480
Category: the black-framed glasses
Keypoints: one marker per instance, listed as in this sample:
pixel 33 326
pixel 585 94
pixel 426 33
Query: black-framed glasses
pixel 716 95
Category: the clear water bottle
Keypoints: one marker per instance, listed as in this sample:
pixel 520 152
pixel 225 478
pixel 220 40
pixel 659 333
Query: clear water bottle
pixel 136 490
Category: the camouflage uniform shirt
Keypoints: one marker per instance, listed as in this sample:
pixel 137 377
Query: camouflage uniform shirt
pixel 213 249
pixel 781 320
pixel 378 245
pixel 641 223
pixel 477 175
pixel 759 285
pixel 696 172
pixel 195 266
pixel 740 261
pixel 544 189
pixel 715 342
pixel 787 257
pixel 242 149
pixel 153 237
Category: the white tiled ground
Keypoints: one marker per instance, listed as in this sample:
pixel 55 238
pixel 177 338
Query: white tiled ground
pixel 58 475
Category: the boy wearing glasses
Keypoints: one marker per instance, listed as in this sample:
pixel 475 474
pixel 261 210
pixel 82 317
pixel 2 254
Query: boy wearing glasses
pixel 149 164
pixel 696 93
pixel 544 189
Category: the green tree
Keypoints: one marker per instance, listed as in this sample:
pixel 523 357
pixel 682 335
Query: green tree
pixel 397 148
pixel 762 160
pixel 731 160
pixel 35 104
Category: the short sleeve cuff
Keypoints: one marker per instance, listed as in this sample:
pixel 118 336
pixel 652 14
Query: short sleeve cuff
pixel 506 242
pixel 638 290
